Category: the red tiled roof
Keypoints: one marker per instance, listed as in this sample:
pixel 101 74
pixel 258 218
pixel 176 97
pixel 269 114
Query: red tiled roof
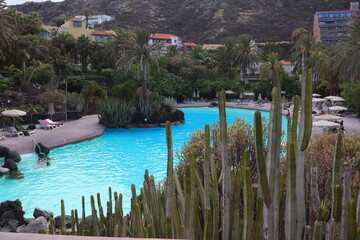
pixel 190 44
pixel 100 33
pixel 285 62
pixel 74 19
pixel 162 36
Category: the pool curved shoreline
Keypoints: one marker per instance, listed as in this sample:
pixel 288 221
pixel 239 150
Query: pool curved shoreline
pixel 84 129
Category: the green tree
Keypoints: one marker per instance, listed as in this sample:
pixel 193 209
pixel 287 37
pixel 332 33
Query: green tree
pixel 225 58
pixel 351 91
pixel 246 55
pixel 349 63
pixel 83 47
pixel 138 51
pixel 8 27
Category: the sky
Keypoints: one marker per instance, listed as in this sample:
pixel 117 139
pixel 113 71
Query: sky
pixel 14 2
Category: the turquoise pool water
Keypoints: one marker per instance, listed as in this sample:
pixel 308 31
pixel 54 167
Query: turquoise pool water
pixel 118 159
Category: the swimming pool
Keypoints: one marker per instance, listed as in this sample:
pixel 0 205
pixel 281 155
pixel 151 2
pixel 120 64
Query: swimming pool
pixel 118 159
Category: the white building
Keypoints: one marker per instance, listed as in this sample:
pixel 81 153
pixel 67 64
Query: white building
pixel 96 19
pixel 253 75
pixel 166 40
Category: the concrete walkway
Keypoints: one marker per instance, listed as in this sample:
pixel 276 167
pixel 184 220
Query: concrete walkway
pixel 87 127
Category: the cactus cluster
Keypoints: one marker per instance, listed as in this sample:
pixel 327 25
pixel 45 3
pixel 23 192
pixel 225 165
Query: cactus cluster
pixel 233 205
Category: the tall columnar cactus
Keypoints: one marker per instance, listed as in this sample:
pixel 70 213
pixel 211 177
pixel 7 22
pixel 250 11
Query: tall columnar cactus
pixel 169 175
pixel 351 226
pixel 273 159
pixel 303 140
pixel 207 168
pixel 261 164
pixel 94 222
pixel 248 199
pixel 226 181
pixel 62 219
pixel 291 198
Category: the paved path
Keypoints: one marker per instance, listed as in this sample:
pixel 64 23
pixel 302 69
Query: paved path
pixel 351 122
pixel 87 127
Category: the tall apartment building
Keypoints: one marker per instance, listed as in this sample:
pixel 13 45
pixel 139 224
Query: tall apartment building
pixel 330 25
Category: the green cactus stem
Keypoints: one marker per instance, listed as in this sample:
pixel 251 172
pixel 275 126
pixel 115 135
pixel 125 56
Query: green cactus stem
pixel 52 229
pixel 208 224
pixel 351 226
pixel 261 165
pixel 290 212
pixel 308 112
pixel 295 118
pixel 95 228
pixel 188 225
pixel 72 222
pixel 259 219
pixel 226 180
pixel 248 201
pixel 169 175
pixel 62 218
pixel 139 232
pixel 207 168
pixel 337 206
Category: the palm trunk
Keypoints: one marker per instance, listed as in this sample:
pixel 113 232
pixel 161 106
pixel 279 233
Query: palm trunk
pixel 23 68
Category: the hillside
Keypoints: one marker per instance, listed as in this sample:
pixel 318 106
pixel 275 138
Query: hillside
pixel 200 21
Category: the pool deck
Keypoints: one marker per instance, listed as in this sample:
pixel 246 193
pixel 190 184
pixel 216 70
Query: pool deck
pixel 87 127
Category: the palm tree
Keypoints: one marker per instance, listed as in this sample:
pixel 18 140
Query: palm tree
pixel 297 33
pixel 270 62
pixel 83 47
pixel 225 56
pixel 137 51
pixel 350 50
pixel 246 55
pixel 8 27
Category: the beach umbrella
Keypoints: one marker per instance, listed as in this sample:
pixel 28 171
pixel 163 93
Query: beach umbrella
pixel 51 110
pixel 230 92
pixel 330 97
pixel 315 100
pixel 259 97
pixel 217 94
pixel 13 113
pixel 337 108
pixel 316 95
pixel 194 94
pixel 241 95
pixel 337 99
pixel 328 117
pixel 324 123
pixel 198 94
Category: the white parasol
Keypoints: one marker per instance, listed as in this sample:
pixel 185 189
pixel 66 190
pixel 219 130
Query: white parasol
pixel 337 99
pixel 316 95
pixel 315 100
pixel 324 123
pixel 327 117
pixel 13 113
pixel 259 97
pixel 51 110
pixel 337 108
pixel 229 92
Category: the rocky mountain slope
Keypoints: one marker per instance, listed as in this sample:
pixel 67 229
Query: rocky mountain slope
pixel 200 21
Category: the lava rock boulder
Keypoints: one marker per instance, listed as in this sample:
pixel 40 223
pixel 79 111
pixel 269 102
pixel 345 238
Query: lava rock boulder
pixel 14 155
pixel 10 164
pixel 11 216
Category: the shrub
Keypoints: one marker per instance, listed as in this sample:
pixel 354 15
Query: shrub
pixel 115 113
pixel 320 153
pixel 240 137
pixel 170 101
pixel 75 101
pixel 56 97
pixel 126 91
pixel 75 83
pixel 44 74
pixel 93 90
pixel 351 92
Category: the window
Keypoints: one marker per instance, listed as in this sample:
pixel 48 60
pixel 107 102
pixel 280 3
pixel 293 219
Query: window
pixel 77 24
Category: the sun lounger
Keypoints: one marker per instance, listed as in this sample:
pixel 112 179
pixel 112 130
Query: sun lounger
pixel 13 132
pixel 2 137
pixel 46 125
pixel 27 132
pixel 57 124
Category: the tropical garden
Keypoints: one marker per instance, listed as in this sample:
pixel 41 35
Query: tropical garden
pixel 232 182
